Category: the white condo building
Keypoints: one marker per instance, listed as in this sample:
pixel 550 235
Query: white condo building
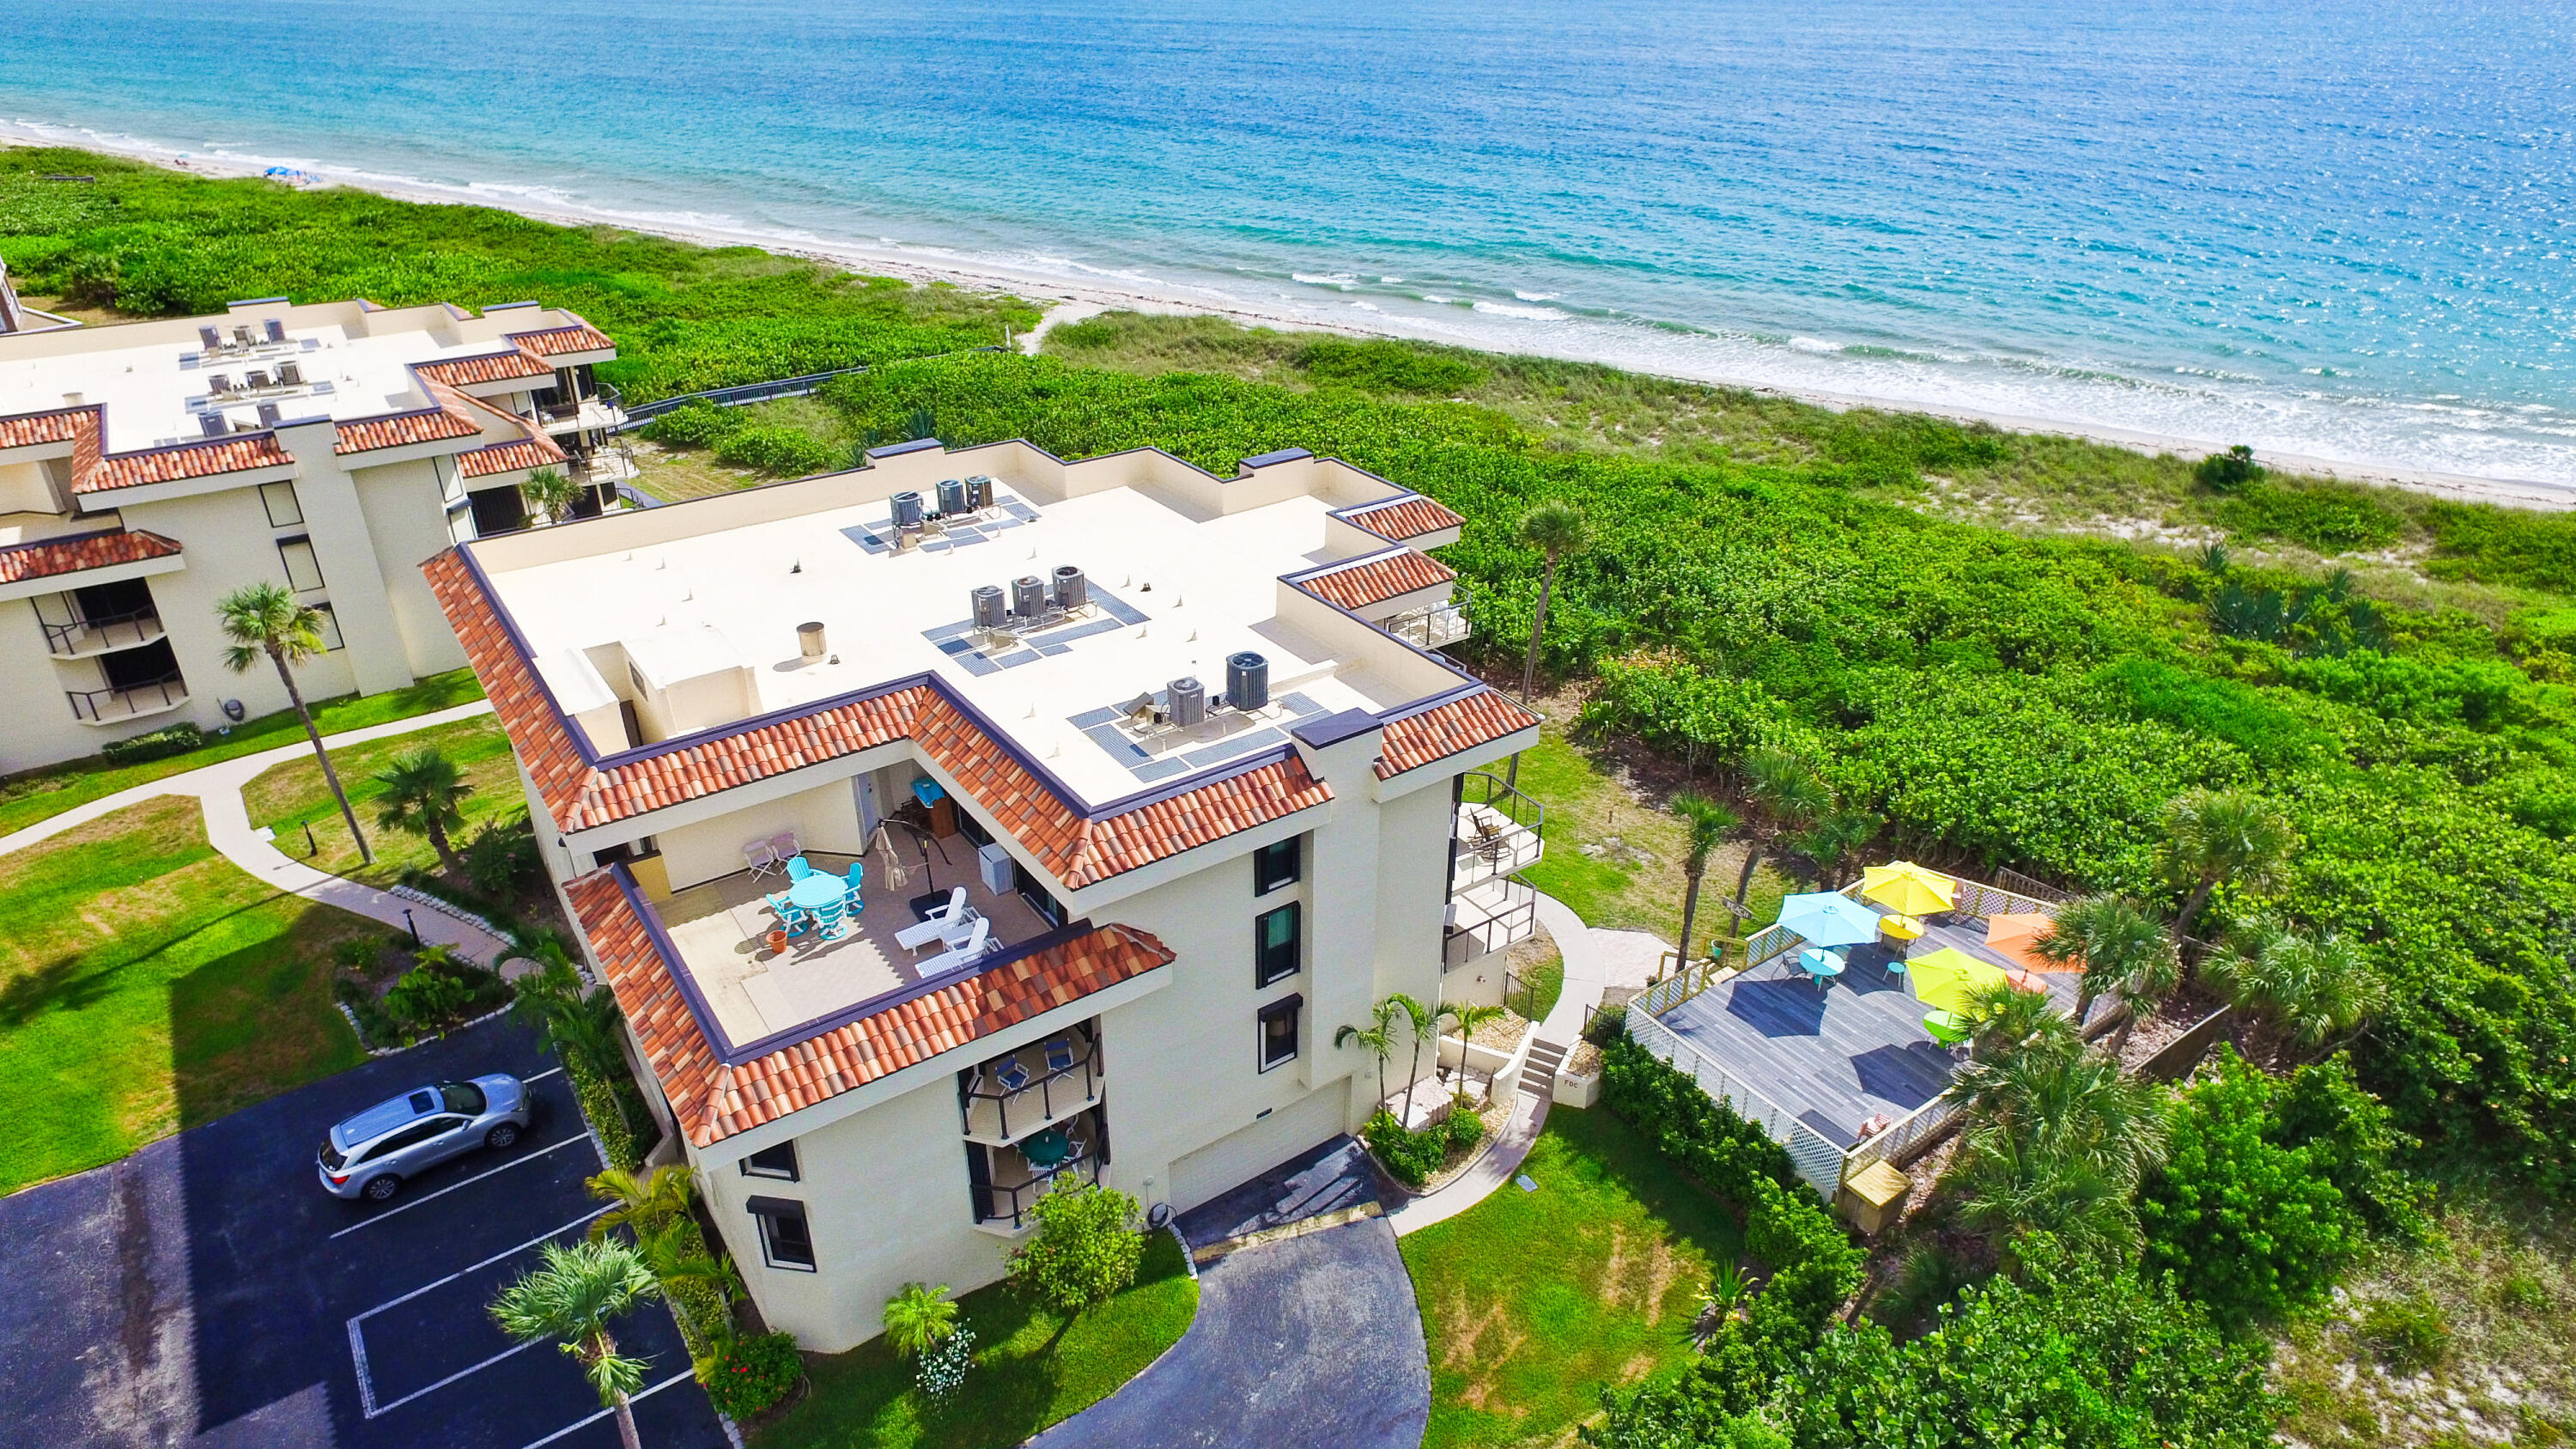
pixel 148 469
pixel 1118 787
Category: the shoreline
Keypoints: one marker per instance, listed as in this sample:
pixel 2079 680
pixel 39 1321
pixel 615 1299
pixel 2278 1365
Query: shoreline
pixel 1060 294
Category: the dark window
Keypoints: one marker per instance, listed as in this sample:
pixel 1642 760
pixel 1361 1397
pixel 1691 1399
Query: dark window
pixel 412 1136
pixel 1279 1031
pixel 135 668
pixel 498 510
pixel 778 1162
pixel 122 599
pixel 784 1240
pixel 463 1097
pixel 327 624
pixel 1277 945
pixel 1277 864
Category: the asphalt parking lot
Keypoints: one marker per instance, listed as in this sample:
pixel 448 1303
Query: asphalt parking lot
pixel 206 1292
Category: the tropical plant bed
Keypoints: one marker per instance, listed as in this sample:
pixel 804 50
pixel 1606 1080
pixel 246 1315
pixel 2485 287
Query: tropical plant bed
pixel 399 996
pixel 291 795
pixel 1031 1369
pixel 1493 1119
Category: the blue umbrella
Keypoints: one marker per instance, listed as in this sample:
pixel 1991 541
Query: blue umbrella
pixel 1829 918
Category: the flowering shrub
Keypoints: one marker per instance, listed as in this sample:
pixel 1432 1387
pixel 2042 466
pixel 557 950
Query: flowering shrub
pixel 749 1374
pixel 944 1364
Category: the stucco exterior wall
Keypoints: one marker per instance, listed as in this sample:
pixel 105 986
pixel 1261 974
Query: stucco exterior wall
pixel 825 818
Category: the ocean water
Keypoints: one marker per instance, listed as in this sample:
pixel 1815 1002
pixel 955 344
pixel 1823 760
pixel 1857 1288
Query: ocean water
pixel 2344 230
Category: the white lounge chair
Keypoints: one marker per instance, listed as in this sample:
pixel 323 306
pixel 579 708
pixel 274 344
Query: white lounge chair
pixel 961 955
pixel 914 937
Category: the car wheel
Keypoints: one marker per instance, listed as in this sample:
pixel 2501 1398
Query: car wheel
pixel 380 1188
pixel 502 1135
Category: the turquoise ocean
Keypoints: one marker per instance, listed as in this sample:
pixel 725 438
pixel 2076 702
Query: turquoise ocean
pixel 2337 228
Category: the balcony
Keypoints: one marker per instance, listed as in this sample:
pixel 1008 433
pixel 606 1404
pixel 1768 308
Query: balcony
pixel 1487 918
pixel 722 932
pixel 1433 626
pixel 83 638
pixel 591 414
pixel 1023 1092
pixel 1010 1183
pixel 1496 833
pixel 117 704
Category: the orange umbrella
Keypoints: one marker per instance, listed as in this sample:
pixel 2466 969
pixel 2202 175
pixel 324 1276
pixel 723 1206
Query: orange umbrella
pixel 2014 937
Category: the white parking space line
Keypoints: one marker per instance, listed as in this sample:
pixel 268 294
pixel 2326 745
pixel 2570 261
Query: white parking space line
pixel 541 1076
pixel 640 1396
pixel 509 1352
pixel 453 1186
pixel 357 1332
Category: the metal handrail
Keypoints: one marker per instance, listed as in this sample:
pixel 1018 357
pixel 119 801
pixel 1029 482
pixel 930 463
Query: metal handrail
pixel 58 637
pixel 1489 791
pixel 85 701
pixel 752 392
pixel 976 1090
pixel 1025 1195
pixel 1433 626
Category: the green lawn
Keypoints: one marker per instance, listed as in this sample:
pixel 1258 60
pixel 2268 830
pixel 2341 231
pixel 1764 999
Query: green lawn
pixel 864 1399
pixel 1531 1302
pixel 147 984
pixel 285 797
pixel 37 794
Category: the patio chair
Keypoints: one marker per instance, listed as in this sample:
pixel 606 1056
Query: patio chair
pixel 961 955
pixel 1059 1054
pixel 762 860
pixel 798 867
pixel 784 843
pixel 914 937
pixel 1012 1076
pixel 834 918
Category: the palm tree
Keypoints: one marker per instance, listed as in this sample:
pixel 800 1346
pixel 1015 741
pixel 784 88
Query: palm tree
pixel 644 1203
pixel 678 1256
pixel 1708 823
pixel 2003 1019
pixel 572 1296
pixel 1788 795
pixel 550 493
pixel 569 1018
pixel 1470 1018
pixel 2313 989
pixel 424 794
pixel 918 1318
pixel 2121 948
pixel 2216 836
pixel 1377 1039
pixel 1831 840
pixel 1555 528
pixel 1420 1021
pixel 267 620
pixel 2057 1140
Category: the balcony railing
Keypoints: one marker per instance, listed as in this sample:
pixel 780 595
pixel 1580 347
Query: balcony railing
pixel 997 1113
pixel 1433 626
pixel 101 634
pixel 1018 1183
pixel 133 701
pixel 1487 918
pixel 1496 833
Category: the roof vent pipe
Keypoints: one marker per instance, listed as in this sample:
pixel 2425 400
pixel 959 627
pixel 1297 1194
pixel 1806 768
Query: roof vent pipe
pixel 1247 680
pixel 1028 596
pixel 1189 701
pixel 1072 591
pixel 990 613
pixel 809 639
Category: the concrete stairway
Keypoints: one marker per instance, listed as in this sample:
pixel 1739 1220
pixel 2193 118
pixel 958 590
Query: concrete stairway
pixel 1538 1074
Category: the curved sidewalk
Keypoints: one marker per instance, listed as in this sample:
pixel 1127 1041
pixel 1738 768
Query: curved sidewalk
pixel 1586 976
pixel 218 788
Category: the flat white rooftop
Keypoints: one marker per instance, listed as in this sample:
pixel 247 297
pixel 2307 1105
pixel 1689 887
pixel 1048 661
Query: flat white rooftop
pixel 1174 590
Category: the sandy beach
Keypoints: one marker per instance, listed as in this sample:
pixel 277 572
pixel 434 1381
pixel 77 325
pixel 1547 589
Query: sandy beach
pixel 1071 299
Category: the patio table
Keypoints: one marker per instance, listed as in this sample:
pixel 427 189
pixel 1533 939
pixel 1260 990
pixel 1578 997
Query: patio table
pixel 1902 928
pixel 817 890
pixel 1048 1148
pixel 1821 964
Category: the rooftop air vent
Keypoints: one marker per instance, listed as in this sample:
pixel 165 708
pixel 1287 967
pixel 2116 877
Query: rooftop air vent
pixel 212 339
pixel 219 383
pixel 258 379
pixel 241 337
pixel 809 639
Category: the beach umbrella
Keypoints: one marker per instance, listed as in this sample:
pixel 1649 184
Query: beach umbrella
pixel 1829 918
pixel 1947 977
pixel 1908 889
pixel 2015 937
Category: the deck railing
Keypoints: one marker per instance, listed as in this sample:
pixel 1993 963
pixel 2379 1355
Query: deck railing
pixel 987 1086
pixel 124 701
pixel 1818 1161
pixel 140 626
pixel 1014 1202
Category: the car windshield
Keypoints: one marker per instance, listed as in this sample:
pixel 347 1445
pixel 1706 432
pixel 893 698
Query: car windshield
pixel 463 1097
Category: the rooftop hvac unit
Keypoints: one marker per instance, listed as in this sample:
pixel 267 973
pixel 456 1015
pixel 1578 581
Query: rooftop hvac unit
pixel 213 424
pixel 979 492
pixel 952 496
pixel 259 379
pixel 219 383
pixel 1072 591
pixel 290 375
pixel 1189 701
pixel 276 330
pixel 268 415
pixel 990 612
pixel 213 339
pixel 1028 596
pixel 1247 680
pixel 907 509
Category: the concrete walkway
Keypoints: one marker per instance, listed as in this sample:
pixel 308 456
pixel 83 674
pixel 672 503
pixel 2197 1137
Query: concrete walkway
pixel 1585 976
pixel 218 788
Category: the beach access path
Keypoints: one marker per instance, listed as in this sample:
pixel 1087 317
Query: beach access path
pixel 218 788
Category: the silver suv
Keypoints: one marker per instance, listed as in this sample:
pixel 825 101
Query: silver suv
pixel 370 1154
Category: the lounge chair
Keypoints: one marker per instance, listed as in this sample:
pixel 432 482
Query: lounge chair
pixel 762 860
pixel 914 937
pixel 963 954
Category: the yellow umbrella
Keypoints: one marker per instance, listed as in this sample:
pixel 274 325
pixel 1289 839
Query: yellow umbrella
pixel 1908 889
pixel 1945 978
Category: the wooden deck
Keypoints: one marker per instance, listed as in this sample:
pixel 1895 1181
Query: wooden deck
pixel 1833 1058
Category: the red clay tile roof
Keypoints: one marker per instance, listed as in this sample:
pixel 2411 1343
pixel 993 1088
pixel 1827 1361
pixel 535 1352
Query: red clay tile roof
pixel 712 1101
pixel 533 451
pixel 1400 519
pixel 1376 580
pixel 1444 730
pixel 428 425
pixel 1077 850
pixel 187 460
pixel 493 367
pixel 22 561
pixel 28 429
pixel 556 341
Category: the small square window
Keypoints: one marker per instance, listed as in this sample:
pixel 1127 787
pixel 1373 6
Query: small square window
pixel 778 1162
pixel 283 507
pixel 1277 864
pixel 1279 1031
pixel 785 1241
pixel 1278 944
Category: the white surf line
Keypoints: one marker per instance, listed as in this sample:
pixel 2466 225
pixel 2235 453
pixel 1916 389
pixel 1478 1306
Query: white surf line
pixel 357 1331
pixel 453 1186
pixel 604 1413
